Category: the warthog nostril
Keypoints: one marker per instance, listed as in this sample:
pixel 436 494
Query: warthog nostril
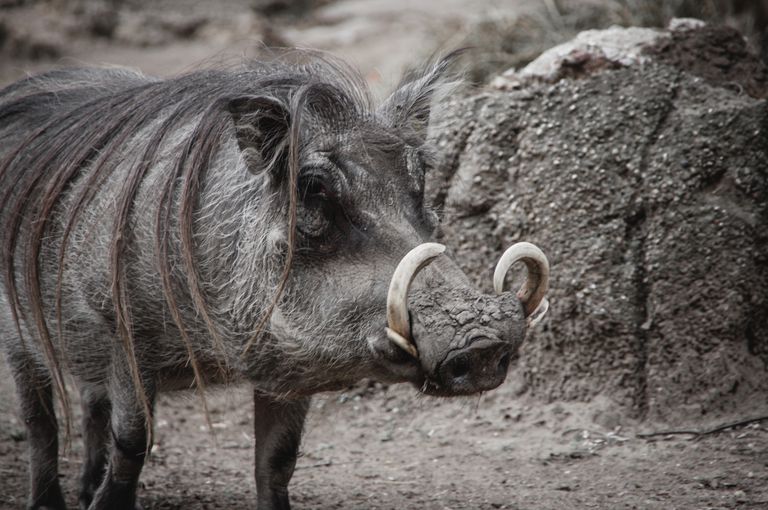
pixel 503 365
pixel 459 367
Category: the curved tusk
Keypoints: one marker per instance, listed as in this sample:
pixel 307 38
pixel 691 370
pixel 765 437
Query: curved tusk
pixel 399 330
pixel 536 285
pixel 538 314
pixel 401 342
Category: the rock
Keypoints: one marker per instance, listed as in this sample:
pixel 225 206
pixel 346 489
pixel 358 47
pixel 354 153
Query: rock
pixel 718 54
pixel 645 183
pixel 592 48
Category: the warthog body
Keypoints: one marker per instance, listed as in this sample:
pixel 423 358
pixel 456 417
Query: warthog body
pixel 223 226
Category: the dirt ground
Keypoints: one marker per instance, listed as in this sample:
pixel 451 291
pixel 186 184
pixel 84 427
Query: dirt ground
pixel 387 447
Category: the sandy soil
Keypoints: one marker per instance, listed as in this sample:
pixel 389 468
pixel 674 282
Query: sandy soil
pixel 388 448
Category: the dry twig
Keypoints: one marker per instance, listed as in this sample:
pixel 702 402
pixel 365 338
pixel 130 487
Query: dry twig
pixel 700 433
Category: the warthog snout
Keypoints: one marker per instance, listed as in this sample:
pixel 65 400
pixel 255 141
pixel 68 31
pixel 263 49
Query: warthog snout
pixel 462 340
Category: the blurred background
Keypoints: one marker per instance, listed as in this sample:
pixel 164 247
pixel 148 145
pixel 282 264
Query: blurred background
pixel 644 183
pixel 380 37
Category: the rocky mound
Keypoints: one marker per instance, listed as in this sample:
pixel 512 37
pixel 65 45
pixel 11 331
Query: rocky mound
pixel 638 160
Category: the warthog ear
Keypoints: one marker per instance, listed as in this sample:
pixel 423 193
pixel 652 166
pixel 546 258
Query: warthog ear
pixel 261 127
pixel 409 108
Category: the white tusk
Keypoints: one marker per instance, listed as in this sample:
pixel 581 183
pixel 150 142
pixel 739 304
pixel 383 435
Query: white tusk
pixel 538 314
pixel 536 284
pixel 402 342
pixel 399 330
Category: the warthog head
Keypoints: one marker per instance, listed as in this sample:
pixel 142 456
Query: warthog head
pixel 362 228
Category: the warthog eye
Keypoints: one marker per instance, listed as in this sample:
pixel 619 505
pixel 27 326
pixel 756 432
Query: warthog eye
pixel 316 184
pixel 318 208
pixel 313 187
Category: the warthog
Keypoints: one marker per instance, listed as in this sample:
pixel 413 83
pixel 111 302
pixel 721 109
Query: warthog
pixel 262 223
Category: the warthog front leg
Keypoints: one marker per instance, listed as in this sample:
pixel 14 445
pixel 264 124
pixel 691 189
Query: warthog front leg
pixel 96 409
pixel 128 447
pixel 36 405
pixel 277 430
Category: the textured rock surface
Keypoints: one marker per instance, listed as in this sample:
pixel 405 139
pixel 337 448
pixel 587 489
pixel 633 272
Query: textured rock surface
pixel 647 186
